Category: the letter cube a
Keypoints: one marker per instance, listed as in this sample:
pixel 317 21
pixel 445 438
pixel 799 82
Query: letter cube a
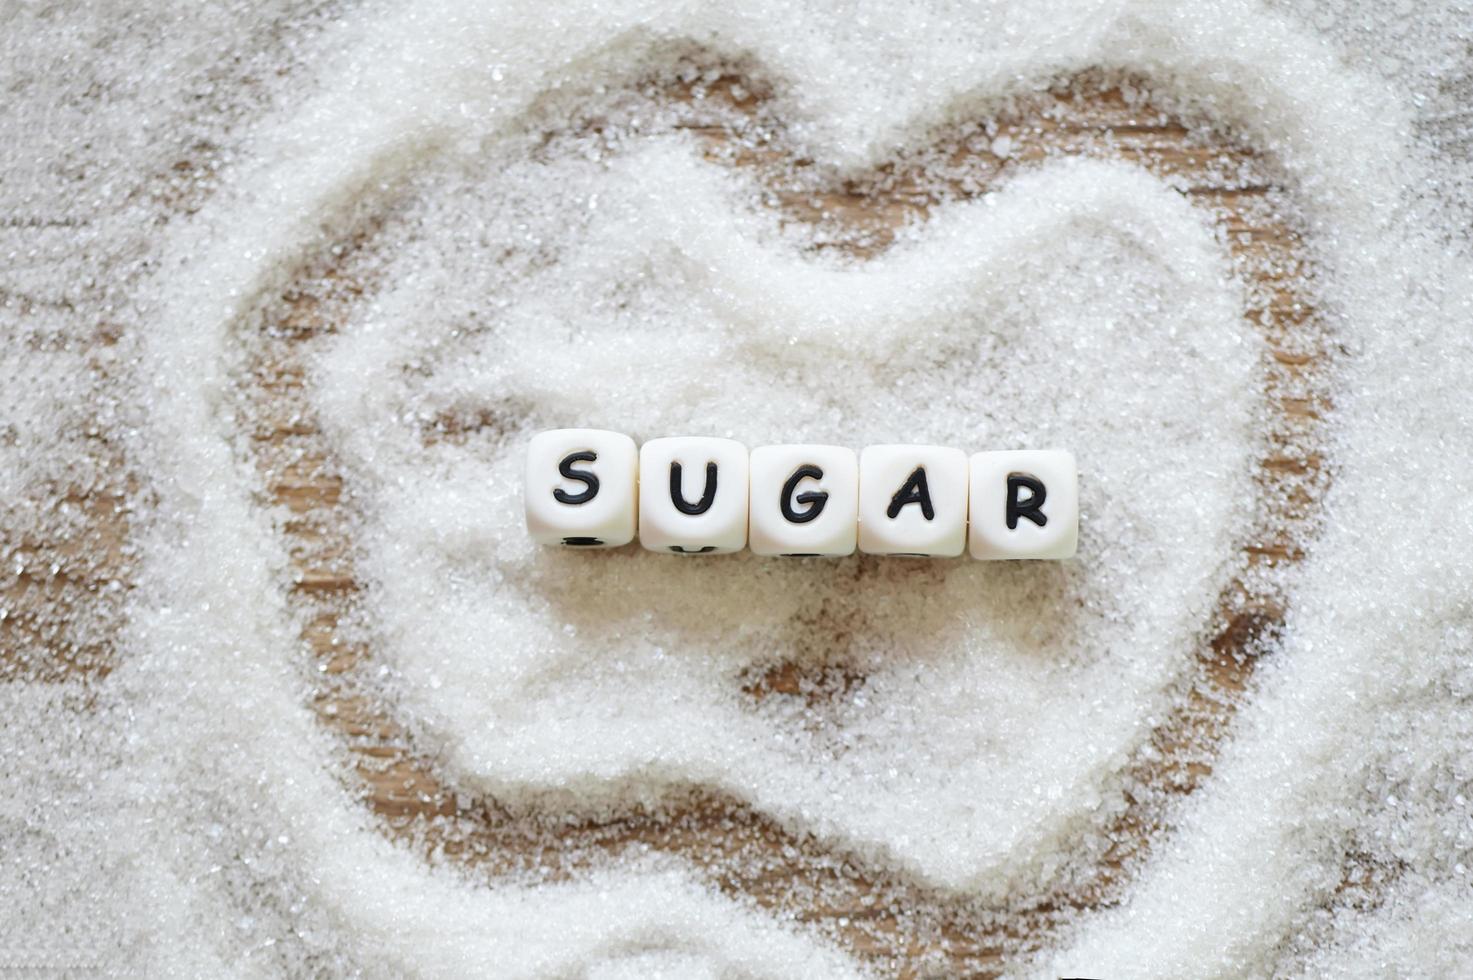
pixel 805 501
pixel 581 489
pixel 693 495
pixel 912 501
pixel 1025 504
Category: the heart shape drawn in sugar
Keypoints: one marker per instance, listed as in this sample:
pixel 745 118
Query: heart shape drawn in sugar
pixel 966 723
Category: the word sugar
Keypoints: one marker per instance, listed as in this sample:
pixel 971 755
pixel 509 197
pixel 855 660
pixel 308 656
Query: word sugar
pixel 589 488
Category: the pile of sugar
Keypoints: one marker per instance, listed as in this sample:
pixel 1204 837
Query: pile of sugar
pixel 978 734
pixel 184 812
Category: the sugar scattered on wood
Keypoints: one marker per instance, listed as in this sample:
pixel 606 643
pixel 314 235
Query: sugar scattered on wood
pixel 520 229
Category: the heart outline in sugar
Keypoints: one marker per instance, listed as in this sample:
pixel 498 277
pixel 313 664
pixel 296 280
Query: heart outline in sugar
pixel 1250 612
pixel 1002 781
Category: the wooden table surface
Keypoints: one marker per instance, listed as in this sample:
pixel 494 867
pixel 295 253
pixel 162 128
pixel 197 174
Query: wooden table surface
pixel 898 926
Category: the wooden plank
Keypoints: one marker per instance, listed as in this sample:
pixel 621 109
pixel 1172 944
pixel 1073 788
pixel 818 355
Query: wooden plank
pixel 897 925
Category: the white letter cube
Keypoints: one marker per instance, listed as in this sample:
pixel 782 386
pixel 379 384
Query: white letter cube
pixel 1025 504
pixel 693 495
pixel 805 501
pixel 581 488
pixel 912 501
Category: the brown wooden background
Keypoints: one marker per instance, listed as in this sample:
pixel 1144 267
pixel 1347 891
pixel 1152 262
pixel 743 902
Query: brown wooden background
pixel 896 925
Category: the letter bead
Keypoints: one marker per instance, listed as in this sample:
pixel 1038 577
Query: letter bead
pixel 1025 504
pixel 913 501
pixel 805 501
pixel 693 496
pixel 581 488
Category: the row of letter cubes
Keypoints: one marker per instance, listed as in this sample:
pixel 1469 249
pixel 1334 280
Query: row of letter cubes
pixel 592 488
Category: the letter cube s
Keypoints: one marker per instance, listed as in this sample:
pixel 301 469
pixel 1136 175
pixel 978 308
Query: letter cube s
pixel 581 488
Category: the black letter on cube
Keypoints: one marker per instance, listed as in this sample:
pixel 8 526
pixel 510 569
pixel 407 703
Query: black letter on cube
pixel 815 499
pixel 708 493
pixel 913 491
pixel 1032 506
pixel 584 477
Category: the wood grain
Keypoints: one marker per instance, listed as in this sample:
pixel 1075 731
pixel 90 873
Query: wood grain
pixel 66 561
pixel 899 926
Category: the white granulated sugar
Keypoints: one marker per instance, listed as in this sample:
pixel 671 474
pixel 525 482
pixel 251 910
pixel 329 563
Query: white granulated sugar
pixel 545 242
pixel 977 735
